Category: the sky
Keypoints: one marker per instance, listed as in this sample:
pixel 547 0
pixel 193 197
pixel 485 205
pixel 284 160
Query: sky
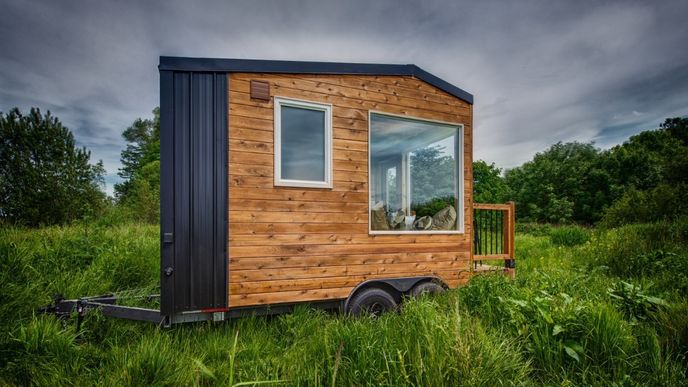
pixel 541 71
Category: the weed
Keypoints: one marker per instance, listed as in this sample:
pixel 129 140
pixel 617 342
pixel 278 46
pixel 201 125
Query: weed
pixel 633 302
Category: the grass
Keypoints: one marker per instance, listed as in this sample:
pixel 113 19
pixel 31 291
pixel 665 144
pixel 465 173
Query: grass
pixel 569 235
pixel 609 309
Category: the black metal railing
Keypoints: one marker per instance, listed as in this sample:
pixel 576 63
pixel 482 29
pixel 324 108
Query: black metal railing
pixel 488 238
pixel 493 233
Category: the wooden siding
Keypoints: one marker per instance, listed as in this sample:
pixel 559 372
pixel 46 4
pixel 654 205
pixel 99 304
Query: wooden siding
pixel 308 244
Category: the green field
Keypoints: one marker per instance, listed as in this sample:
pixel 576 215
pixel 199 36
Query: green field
pixel 587 307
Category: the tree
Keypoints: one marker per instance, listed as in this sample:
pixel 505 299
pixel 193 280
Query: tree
pixel 663 202
pixel 140 190
pixel 676 171
pixel 143 147
pixel 649 175
pixel 640 162
pixel 560 185
pixel 578 182
pixel 432 174
pixel 488 184
pixel 143 196
pixel 44 177
pixel 677 127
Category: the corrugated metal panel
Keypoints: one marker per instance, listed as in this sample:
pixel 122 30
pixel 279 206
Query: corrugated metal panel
pixel 193 191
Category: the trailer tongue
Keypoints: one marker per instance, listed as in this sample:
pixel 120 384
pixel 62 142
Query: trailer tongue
pixel 107 304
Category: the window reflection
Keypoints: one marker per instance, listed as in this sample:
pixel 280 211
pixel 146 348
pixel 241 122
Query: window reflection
pixel 414 175
pixel 303 144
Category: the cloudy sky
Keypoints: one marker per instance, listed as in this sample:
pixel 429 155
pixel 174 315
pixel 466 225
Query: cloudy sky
pixel 541 71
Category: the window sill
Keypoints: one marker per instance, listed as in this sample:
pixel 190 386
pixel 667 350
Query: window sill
pixel 438 232
pixel 302 184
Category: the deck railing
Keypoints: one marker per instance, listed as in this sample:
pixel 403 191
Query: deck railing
pixel 494 228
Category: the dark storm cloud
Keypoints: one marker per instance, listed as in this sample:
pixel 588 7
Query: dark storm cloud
pixel 541 71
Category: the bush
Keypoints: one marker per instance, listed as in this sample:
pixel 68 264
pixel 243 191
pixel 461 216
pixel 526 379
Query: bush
pixel 569 235
pixel 663 202
pixel 634 302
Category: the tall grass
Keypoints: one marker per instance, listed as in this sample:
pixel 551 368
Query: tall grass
pixel 567 319
pixel 569 235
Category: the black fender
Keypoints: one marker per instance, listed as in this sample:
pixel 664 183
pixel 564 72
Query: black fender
pixel 401 285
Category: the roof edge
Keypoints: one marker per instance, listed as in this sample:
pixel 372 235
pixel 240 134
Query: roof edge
pixel 173 63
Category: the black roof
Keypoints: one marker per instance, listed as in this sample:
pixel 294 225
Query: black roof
pixel 173 63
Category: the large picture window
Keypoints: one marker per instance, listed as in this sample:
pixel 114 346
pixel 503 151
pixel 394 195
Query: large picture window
pixel 416 176
pixel 303 142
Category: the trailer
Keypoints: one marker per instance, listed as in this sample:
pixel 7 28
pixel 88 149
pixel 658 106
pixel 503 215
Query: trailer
pixel 340 185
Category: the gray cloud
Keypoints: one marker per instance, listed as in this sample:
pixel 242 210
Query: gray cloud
pixel 541 71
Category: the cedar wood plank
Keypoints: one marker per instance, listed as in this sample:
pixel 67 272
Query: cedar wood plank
pixel 298 244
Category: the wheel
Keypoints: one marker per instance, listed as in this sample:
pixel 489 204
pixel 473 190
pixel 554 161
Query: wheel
pixel 426 288
pixel 374 301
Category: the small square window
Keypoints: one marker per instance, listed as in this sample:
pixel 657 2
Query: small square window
pixel 303 143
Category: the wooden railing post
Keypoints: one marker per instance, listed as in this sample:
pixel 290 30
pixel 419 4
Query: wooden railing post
pixel 506 231
pixel 511 266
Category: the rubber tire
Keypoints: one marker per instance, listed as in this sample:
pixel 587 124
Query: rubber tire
pixel 379 299
pixel 428 287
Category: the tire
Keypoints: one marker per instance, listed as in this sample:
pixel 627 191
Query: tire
pixel 426 288
pixel 372 301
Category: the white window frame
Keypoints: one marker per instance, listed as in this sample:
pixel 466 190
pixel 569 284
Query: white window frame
pixel 460 216
pixel 327 109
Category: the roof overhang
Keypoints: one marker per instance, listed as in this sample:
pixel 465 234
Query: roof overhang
pixel 173 63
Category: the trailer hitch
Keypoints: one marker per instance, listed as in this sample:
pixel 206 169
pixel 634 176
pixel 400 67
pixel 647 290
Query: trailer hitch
pixel 59 307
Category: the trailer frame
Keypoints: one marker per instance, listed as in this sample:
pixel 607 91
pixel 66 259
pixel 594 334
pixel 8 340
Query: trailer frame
pixel 107 305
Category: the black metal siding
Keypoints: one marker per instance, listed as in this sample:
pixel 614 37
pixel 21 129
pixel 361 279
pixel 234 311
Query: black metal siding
pixel 193 191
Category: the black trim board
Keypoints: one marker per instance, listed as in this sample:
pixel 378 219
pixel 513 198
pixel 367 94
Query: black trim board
pixel 193 191
pixel 173 63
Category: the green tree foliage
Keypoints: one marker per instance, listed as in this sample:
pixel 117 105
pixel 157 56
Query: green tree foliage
pixel 488 184
pixel 664 202
pixel 140 190
pixel 560 185
pixel 143 197
pixel 649 175
pixel 44 177
pixel 644 161
pixel 678 128
pixel 637 181
pixel 677 166
pixel 432 174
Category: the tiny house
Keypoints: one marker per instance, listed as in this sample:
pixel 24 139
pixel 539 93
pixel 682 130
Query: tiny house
pixel 335 184
pixel 287 182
